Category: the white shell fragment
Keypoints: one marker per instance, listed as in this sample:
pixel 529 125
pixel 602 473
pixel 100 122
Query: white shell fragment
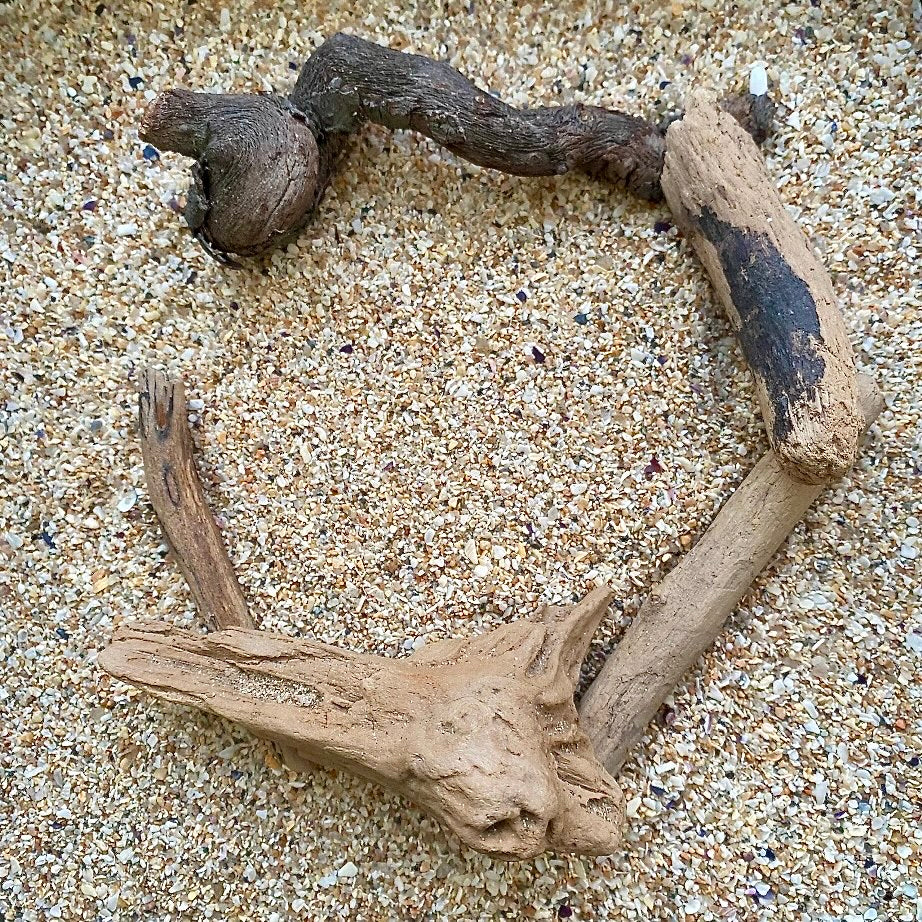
pixel 127 500
pixel 758 80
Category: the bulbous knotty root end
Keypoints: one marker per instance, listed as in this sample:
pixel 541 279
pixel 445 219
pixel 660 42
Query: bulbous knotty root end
pixel 257 173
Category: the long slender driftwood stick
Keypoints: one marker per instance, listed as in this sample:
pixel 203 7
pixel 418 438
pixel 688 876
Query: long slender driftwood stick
pixel 776 292
pixel 684 614
pixel 177 497
pixel 263 162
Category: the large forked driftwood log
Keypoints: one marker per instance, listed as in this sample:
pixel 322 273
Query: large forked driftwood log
pixel 776 292
pixel 683 615
pixel 480 732
pixel 263 162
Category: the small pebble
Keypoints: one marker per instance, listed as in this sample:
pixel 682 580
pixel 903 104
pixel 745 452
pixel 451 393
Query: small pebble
pixel 348 870
pixel 758 80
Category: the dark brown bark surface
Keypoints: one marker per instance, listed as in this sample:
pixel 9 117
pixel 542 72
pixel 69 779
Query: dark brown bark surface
pixel 350 80
pixel 257 173
pixel 263 162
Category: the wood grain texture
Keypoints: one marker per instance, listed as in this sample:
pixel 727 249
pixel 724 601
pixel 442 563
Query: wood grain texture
pixel 683 615
pixel 776 293
pixel 480 732
pixel 348 81
pixel 177 497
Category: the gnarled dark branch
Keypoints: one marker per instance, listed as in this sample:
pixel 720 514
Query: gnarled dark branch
pixel 263 162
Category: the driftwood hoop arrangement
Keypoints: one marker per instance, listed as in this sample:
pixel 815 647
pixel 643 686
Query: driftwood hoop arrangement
pixel 483 732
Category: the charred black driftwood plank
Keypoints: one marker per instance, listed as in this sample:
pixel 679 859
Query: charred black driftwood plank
pixel 777 295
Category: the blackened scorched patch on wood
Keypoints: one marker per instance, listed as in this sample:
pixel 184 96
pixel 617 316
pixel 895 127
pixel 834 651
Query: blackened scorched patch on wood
pixel 779 324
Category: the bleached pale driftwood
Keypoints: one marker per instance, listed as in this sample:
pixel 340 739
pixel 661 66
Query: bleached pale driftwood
pixel 776 292
pixel 482 732
pixel 683 615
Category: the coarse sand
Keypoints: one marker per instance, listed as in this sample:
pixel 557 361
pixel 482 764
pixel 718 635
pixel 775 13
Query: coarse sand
pixel 458 395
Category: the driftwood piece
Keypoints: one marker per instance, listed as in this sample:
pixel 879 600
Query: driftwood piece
pixel 779 298
pixel 177 497
pixel 481 732
pixel 263 162
pixel 683 615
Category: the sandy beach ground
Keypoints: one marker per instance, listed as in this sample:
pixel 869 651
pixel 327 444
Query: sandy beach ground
pixel 458 395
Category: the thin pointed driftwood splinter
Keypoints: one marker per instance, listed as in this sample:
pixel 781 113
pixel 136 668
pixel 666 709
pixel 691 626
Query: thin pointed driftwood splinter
pixel 263 161
pixel 776 292
pixel 177 497
pixel 683 615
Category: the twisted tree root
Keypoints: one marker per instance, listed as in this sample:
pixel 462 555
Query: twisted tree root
pixel 263 162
